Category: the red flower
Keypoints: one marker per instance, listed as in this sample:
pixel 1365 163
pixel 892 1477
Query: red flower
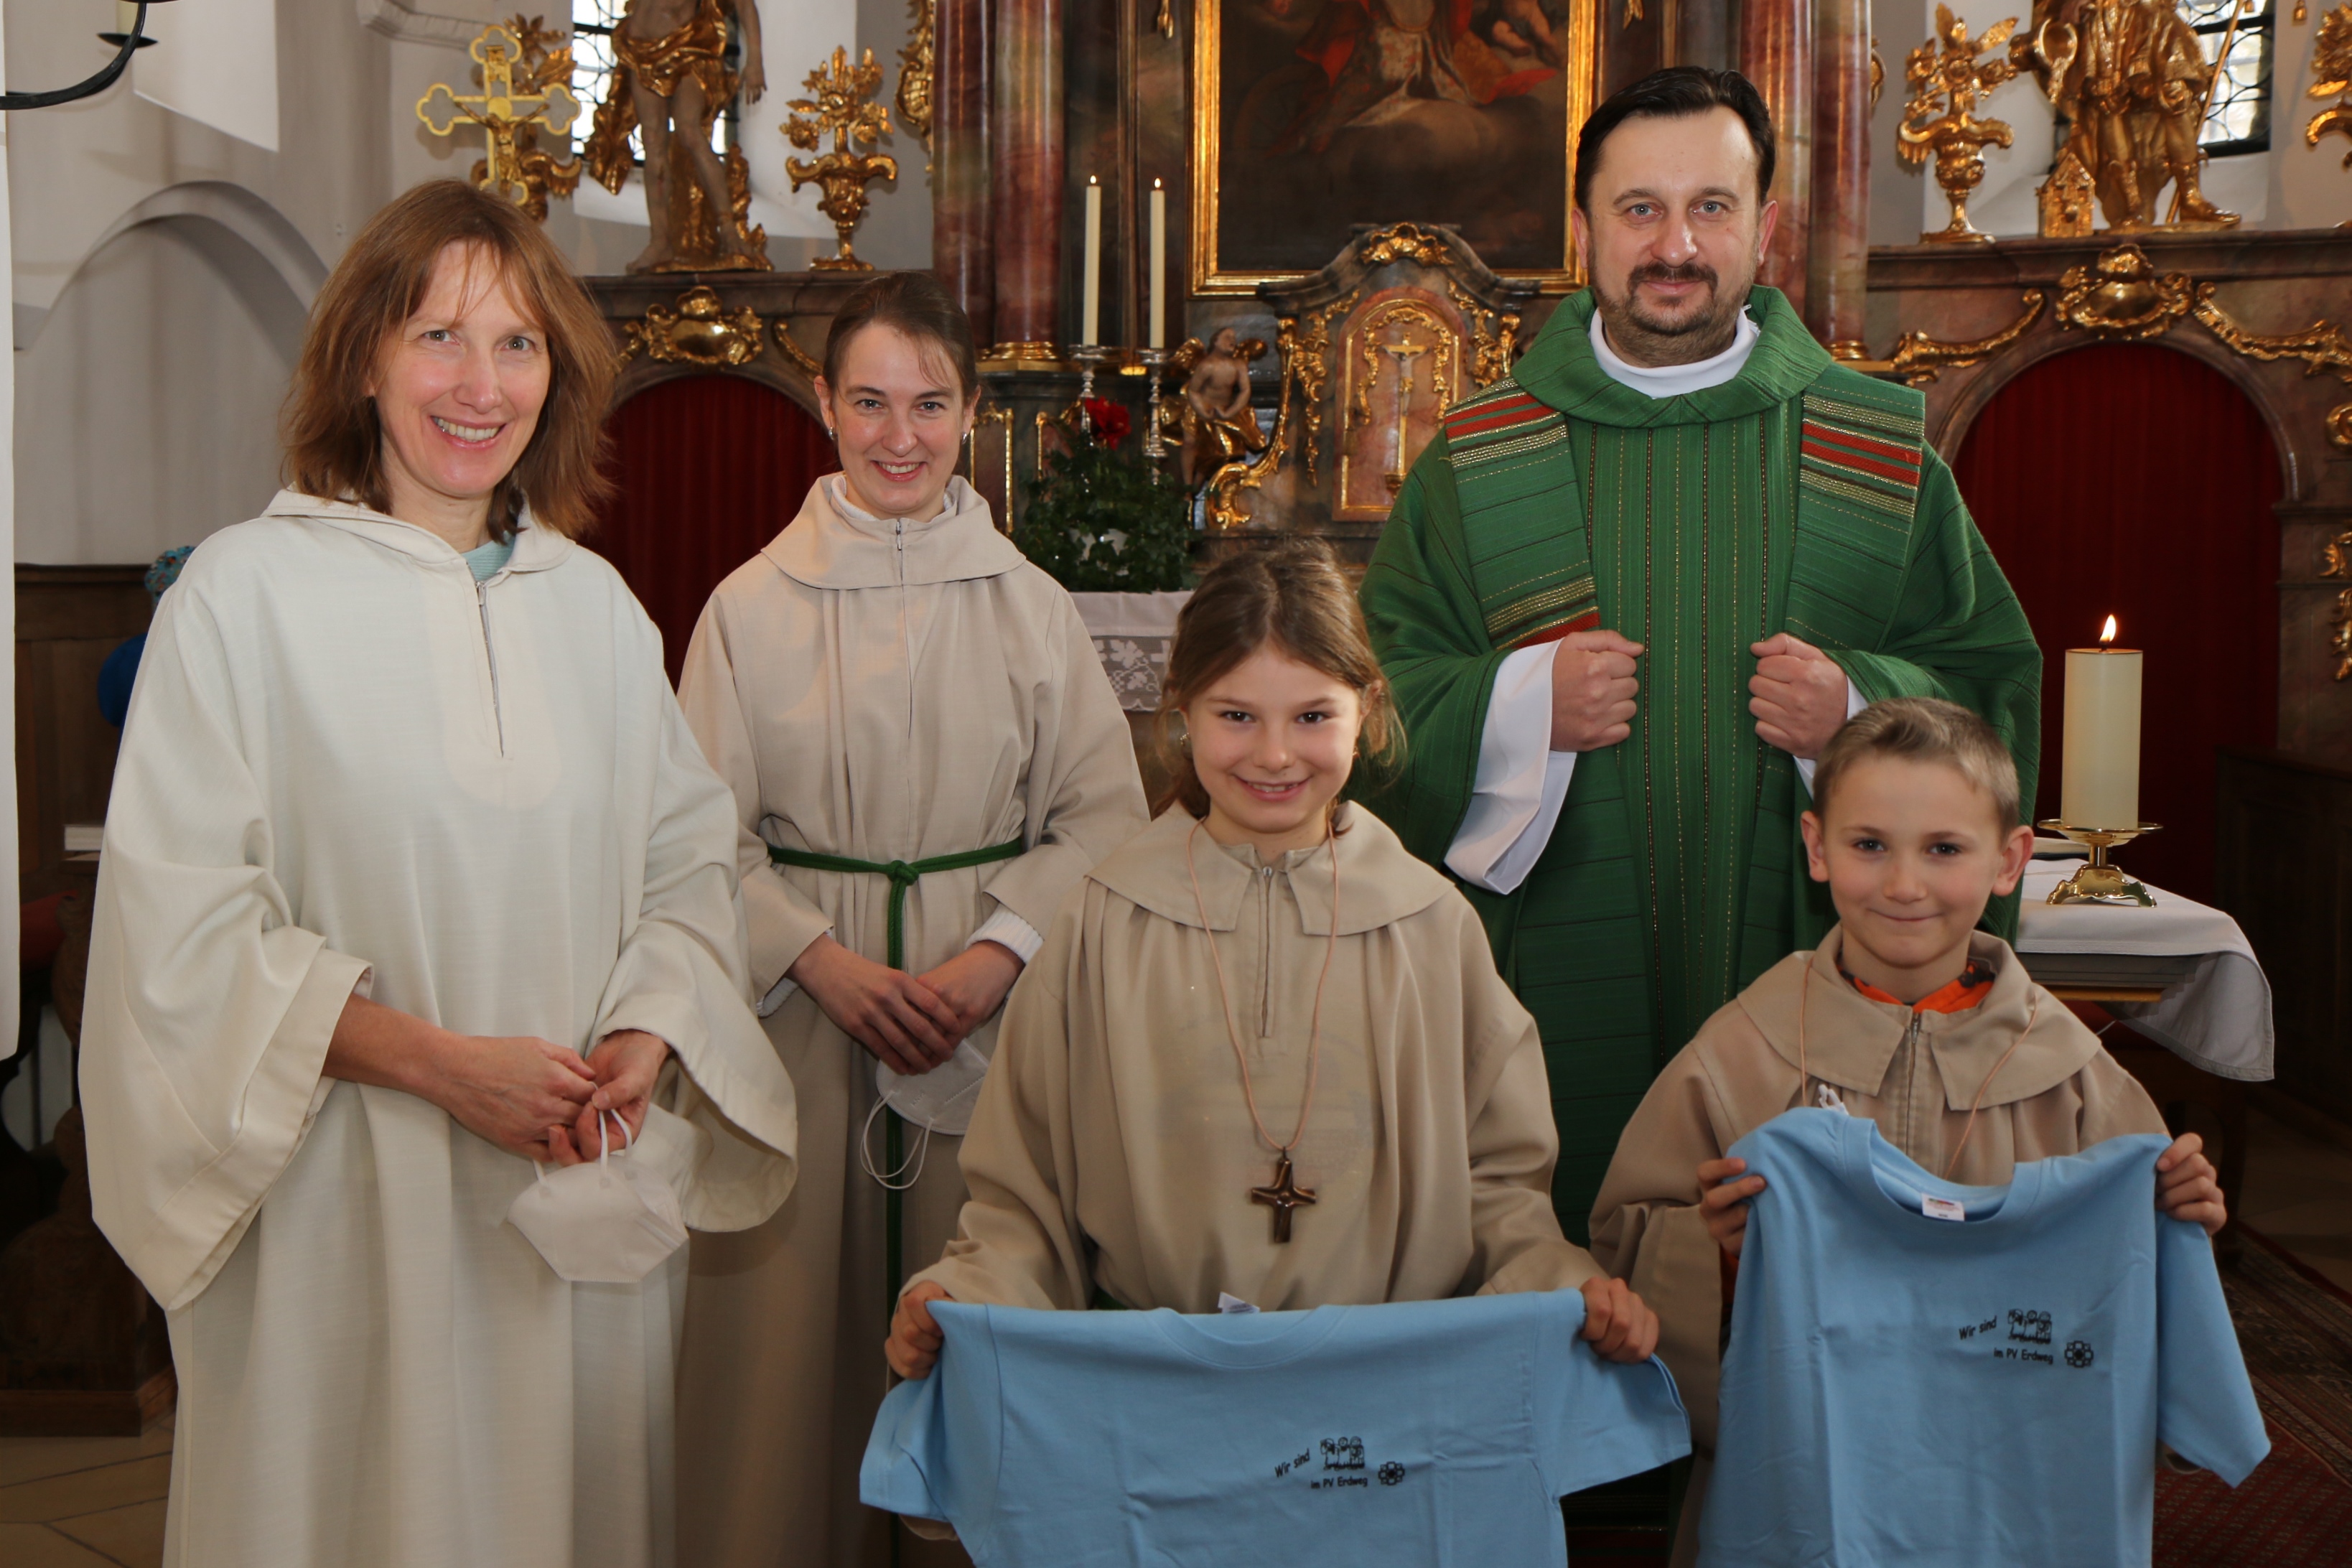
pixel 1109 419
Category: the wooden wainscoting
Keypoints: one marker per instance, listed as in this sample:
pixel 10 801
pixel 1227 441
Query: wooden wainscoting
pixel 68 618
pixel 2283 870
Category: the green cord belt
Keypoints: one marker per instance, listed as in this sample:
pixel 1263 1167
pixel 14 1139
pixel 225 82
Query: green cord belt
pixel 903 875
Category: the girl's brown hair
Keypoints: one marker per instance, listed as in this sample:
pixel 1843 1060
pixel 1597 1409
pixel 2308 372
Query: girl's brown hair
pixel 919 306
pixel 1292 595
pixel 334 441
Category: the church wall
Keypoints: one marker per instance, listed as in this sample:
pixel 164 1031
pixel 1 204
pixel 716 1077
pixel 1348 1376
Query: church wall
pixel 147 405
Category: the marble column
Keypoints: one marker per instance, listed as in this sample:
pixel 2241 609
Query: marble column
pixel 962 250
pixel 1837 276
pixel 1026 145
pixel 1776 53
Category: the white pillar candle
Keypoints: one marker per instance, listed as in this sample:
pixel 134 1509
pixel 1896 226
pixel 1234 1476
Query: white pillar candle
pixel 2099 783
pixel 1093 315
pixel 1159 333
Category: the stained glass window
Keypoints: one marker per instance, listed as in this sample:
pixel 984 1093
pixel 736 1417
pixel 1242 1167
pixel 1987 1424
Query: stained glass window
pixel 2238 119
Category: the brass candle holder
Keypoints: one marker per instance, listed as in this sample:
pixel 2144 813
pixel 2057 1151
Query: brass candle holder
pixel 2100 881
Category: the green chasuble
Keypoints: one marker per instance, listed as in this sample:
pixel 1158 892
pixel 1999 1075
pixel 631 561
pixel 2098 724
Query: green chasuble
pixel 1799 497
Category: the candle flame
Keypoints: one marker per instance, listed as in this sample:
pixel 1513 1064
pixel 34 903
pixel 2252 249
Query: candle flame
pixel 1092 180
pixel 1155 183
pixel 2107 634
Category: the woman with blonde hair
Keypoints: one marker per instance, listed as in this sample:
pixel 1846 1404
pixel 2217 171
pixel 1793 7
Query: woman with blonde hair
pixel 926 756
pixel 415 884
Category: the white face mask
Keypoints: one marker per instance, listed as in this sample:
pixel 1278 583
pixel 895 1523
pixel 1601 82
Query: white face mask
pixel 605 1224
pixel 941 1100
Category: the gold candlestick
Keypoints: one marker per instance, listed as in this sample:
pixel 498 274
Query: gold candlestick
pixel 2099 881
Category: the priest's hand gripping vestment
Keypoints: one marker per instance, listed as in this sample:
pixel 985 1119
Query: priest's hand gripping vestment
pixel 1799 497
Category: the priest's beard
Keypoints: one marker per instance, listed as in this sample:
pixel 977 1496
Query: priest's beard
pixel 1702 329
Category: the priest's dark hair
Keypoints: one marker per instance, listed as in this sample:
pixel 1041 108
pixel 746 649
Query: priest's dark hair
pixel 1679 92
pixel 919 306
pixel 1923 730
pixel 1290 595
pixel 333 440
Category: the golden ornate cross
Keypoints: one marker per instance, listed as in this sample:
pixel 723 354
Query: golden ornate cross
pixel 499 111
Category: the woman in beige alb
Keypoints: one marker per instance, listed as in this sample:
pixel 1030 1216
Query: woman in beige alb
pixel 890 683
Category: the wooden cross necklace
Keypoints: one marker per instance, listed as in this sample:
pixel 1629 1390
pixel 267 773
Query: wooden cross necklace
pixel 1284 1194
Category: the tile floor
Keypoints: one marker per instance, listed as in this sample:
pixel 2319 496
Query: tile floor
pixel 85 1502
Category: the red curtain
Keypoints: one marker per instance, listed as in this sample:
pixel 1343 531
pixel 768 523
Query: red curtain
pixel 710 468
pixel 2132 479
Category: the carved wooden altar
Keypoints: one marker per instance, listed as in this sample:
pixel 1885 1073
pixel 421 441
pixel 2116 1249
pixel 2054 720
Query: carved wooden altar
pixel 1402 324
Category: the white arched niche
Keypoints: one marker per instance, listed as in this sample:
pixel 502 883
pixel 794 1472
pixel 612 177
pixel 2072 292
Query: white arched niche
pixel 147 398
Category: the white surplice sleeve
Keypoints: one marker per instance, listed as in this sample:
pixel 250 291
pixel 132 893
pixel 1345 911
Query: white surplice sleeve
pixel 208 1010
pixel 1519 786
pixel 1854 703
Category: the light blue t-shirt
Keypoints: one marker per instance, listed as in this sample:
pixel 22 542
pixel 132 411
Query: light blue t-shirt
pixel 486 561
pixel 1429 1432
pixel 1949 1393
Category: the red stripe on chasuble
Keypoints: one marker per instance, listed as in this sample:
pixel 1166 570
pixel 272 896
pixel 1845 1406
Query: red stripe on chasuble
pixel 1583 623
pixel 1862 443
pixel 1495 416
pixel 1841 459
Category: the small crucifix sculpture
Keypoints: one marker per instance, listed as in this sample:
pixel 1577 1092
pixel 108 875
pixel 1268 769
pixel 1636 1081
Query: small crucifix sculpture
pixel 499 111
pixel 1404 354
pixel 1284 1195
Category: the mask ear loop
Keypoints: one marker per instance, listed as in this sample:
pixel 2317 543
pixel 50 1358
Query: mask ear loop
pixel 899 1179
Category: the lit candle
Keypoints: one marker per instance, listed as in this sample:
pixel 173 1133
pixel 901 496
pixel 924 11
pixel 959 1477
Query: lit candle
pixel 1094 262
pixel 1159 338
pixel 2100 780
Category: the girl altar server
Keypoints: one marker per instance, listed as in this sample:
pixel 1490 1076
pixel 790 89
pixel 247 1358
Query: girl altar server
pixel 926 757
pixel 414 878
pixel 1264 1052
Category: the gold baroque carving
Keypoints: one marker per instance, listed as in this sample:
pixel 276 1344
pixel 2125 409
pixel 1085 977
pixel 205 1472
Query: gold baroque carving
pixel 1494 336
pixel 2120 297
pixel 2331 71
pixel 1310 368
pixel 1918 359
pixel 2322 345
pixel 1404 241
pixel 807 363
pixel 699 332
pixel 837 107
pixel 917 66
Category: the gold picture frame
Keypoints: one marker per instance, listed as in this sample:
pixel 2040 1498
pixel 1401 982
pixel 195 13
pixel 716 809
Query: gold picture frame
pixel 1210 275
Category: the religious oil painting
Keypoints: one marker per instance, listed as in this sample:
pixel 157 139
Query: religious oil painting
pixel 1311 117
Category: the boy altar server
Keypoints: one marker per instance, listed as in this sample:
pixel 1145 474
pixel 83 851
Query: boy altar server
pixel 1905 1013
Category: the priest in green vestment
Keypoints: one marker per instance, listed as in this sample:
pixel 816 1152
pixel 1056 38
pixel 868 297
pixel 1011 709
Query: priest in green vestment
pixel 1630 591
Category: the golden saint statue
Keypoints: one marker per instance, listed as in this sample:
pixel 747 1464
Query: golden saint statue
pixel 2131 79
pixel 672 81
pixel 1218 426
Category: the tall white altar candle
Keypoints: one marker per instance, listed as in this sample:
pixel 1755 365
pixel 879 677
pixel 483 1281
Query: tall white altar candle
pixel 2099 779
pixel 1159 332
pixel 1093 328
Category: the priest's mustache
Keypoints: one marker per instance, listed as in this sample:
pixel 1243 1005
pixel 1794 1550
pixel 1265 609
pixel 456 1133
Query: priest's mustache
pixel 1659 273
